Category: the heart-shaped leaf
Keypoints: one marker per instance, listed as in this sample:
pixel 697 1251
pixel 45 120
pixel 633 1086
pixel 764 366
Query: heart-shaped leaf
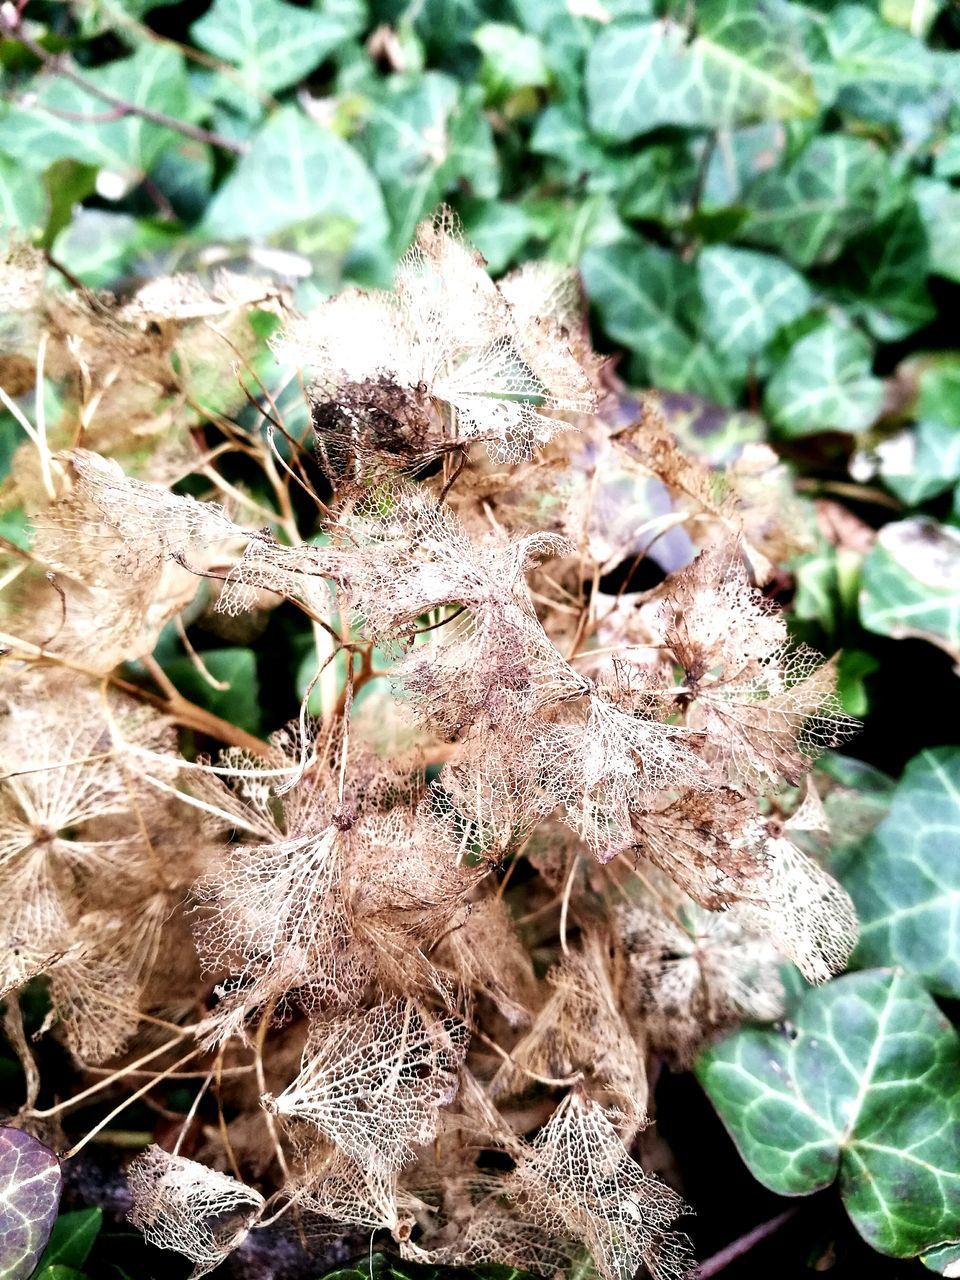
pixel 747 297
pixel 862 1086
pixel 64 120
pixel 905 879
pixel 298 173
pixel 911 583
pixel 825 384
pixel 30 1185
pixel 834 190
pixel 745 63
pixel 272 44
pixel 649 300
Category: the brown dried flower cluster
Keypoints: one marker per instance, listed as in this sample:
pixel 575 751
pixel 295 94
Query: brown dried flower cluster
pixel 535 833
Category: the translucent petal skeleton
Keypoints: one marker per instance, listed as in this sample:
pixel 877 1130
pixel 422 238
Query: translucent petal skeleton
pixel 445 357
pixel 765 710
pixel 694 975
pixel 179 1204
pixel 373 1083
pixel 579 1181
pixel 581 1028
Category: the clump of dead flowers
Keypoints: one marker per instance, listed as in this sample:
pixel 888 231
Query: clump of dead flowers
pixel 425 946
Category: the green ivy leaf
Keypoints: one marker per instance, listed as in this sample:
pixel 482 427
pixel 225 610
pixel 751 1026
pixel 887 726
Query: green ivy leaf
pixel 939 389
pixel 72 1238
pixel 423 133
pixel 745 63
pixel 944 1261
pixel 239 702
pixel 96 16
pixel 864 1088
pixel 882 276
pixel 273 45
pixel 947 159
pixel 297 173
pixel 67 122
pixel 747 297
pixel 498 229
pixel 835 189
pixel 825 384
pixel 746 154
pixel 447 26
pixel 512 61
pixel 881 69
pixel 856 797
pixel 649 300
pixel 102 246
pixel 30 1186
pixel 924 462
pixel 660 183
pixel 23 200
pixel 911 583
pixel 905 879
pixel 939 206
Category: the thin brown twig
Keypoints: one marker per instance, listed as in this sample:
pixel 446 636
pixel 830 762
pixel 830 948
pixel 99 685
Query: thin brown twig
pixel 737 1248
pixel 56 65
pixel 179 709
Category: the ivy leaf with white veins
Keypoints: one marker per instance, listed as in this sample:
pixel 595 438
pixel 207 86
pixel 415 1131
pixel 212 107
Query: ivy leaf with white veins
pixel 747 297
pixel 911 583
pixel 30 1185
pixel 745 63
pixel 836 188
pixel 65 121
pixel 905 879
pixel 825 384
pixel 865 1089
pixel 272 44
pixel 422 134
pixel 298 174
pixel 649 300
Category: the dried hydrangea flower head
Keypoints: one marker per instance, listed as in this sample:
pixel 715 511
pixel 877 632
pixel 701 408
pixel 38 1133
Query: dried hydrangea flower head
pixel 373 1082
pixel 578 1181
pixel 443 360
pixel 589 866
pixel 766 710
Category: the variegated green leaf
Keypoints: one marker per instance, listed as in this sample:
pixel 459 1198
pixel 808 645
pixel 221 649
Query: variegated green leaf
pixel 422 134
pixel 23 201
pixel 825 384
pixel 297 173
pixel 836 188
pixel 882 276
pixel 881 68
pixel 863 1087
pixel 746 62
pixel 920 462
pixel 271 43
pixel 747 297
pixel 905 879
pixel 64 120
pixel 649 300
pixel 939 205
pixel 30 1185
pixel 911 583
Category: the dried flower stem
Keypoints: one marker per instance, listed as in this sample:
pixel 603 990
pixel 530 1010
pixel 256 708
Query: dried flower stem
pixel 131 1098
pixel 112 1078
pixel 12 31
